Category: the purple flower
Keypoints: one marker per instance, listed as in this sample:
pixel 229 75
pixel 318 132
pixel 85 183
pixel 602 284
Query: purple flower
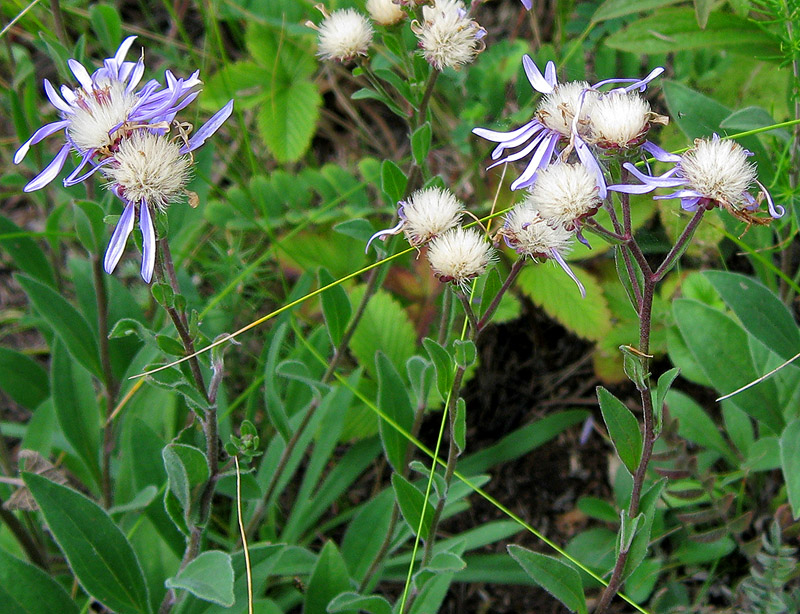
pixel 104 109
pixel 563 123
pixel 148 172
pixel 714 172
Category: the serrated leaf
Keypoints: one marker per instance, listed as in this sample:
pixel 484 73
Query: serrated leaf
pixel 335 307
pixel 66 321
pixel 411 502
pixel 288 120
pixel 675 29
pixel 623 428
pixel 557 578
pixel 552 290
pixel 97 551
pixel 208 577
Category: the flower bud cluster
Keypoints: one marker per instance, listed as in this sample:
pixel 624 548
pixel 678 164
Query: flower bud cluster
pixel 129 134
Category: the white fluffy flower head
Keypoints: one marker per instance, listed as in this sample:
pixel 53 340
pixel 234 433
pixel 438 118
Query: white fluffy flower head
pixel 447 35
pixel 557 109
pixel 428 213
pixel 719 170
pixel 99 114
pixel 564 193
pixel 620 120
pixel 343 35
pixel 459 255
pixel 149 167
pixel 385 12
pixel 529 234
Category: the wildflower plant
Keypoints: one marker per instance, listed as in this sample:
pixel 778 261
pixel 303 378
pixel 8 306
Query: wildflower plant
pixel 355 325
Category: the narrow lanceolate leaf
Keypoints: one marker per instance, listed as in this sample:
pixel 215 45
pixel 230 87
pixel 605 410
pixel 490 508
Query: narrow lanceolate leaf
pixel 557 578
pixel 65 320
pixel 790 463
pixel 97 551
pixel 412 502
pixel 26 589
pixel 23 379
pixel 328 579
pixel 335 307
pixel 393 181
pixel 394 403
pixel 209 577
pixel 623 428
pixel 25 252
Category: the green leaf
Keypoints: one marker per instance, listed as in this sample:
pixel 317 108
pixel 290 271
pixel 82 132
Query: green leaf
pixel 411 502
pixel 752 118
pixel 288 120
pixel 790 464
pixel 460 425
pixel 557 578
pixel 611 9
pixel 443 363
pixel 328 579
pixel 696 426
pixel 721 349
pixel 97 551
pixel 760 311
pixel 76 408
pixel 66 321
pixel 107 25
pixel 660 393
pixel 443 562
pixel 623 428
pixel 335 307
pixel 393 181
pixel 393 401
pixel 763 455
pixel 23 379
pixel 26 589
pixel 272 399
pixel 552 290
pixel 375 604
pixel 421 143
pixel 675 29
pixel 24 251
pixel 187 473
pixel 360 547
pixel 465 352
pixel 384 327
pixel 702 9
pixel 208 577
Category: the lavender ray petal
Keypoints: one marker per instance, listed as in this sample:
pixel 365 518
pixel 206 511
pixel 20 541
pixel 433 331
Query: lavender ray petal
pixel 119 56
pixel 550 74
pixel 148 241
pixel 535 77
pixel 135 76
pixel 69 181
pixel 660 154
pixel 659 181
pixel 775 211
pixel 67 94
pixel 80 74
pixel 522 152
pixel 592 164
pixel 184 103
pixel 209 128
pixel 631 188
pixel 116 246
pixel 683 194
pixel 382 234
pixel 690 204
pixel 541 158
pixel 516 142
pixel 563 264
pixel 37 136
pixel 50 172
pixel 55 99
pixel 502 137
pixel 527 4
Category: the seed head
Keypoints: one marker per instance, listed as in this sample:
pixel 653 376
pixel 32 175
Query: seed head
pixel 343 35
pixel 428 213
pixel 529 234
pixel 564 193
pixel 385 12
pixel 447 35
pixel 149 167
pixel 719 170
pixel 620 119
pixel 459 255
pixel 557 109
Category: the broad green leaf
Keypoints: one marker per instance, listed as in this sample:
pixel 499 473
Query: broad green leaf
pixel 464 352
pixel 695 425
pixel 66 321
pixel 335 307
pixel 393 401
pixel 557 578
pixel 23 379
pixel 720 347
pixel 443 363
pixel 360 547
pixel 610 9
pixel 421 143
pixel 763 455
pixel 600 509
pixel 187 472
pixel 208 577
pixel 243 81
pixel 790 464
pixel 695 553
pixel 751 118
pixel 328 579
pixel 675 29
pixel 384 327
pixel 26 589
pixel 642 581
pixel 551 289
pixel 623 428
pixel 432 594
pixel 288 120
pixel 761 313
pixel 411 502
pixel 375 604
pixel 393 181
pixel 76 407
pixel 739 427
pixel 24 251
pixel 107 24
pixel 446 562
pixel 97 551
